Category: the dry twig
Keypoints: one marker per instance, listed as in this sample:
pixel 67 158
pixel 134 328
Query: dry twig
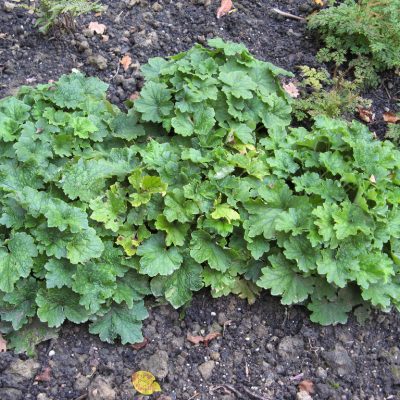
pixel 288 15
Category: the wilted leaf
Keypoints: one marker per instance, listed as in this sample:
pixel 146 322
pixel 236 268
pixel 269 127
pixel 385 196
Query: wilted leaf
pixel 44 376
pixel 291 89
pixel 225 7
pixel 141 345
pixel 126 62
pixel 145 382
pixel 372 179
pixel 306 386
pixel 95 27
pixel 390 117
pixel 366 115
pixel 3 344
pixel 202 339
pixel 319 2
pixel 211 336
pixel 194 339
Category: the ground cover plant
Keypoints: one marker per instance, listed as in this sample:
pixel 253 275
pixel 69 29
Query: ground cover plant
pixel 201 183
pixel 362 36
pixel 61 14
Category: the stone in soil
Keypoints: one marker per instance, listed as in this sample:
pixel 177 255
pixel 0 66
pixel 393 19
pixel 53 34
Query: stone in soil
pixel 339 360
pixel 157 364
pixel 101 389
pixel 206 369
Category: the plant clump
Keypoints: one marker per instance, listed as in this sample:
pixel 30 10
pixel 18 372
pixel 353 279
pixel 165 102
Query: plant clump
pixel 61 14
pixel 363 36
pixel 201 183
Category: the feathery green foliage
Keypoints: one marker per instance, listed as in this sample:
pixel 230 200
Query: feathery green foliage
pixel 362 35
pixel 62 13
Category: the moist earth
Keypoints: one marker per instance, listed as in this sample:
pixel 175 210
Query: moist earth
pixel 265 350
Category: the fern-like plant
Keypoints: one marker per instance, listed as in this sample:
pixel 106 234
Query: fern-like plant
pixel 322 94
pixel 364 35
pixel 62 13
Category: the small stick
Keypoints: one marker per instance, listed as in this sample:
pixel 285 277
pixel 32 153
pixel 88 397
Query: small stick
pixel 288 15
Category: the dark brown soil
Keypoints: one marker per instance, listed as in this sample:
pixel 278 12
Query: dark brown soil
pixel 266 349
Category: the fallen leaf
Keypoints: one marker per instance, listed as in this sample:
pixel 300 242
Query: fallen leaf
pixel 391 117
pixel 97 28
pixel 291 89
pixel 319 2
pixel 211 336
pixel 141 345
pixel 145 382
pixel 44 376
pixel 306 386
pixel 3 344
pixel 202 339
pixel 194 339
pixel 126 61
pixel 366 115
pixel 225 7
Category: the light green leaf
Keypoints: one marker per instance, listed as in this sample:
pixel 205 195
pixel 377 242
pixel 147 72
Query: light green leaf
pixel 179 286
pixel 177 208
pixel 57 305
pixel 155 102
pixel 156 259
pixel 203 248
pixel 111 208
pixel 84 246
pixel 17 261
pixel 176 232
pixel 59 273
pixel 120 321
pixel 283 281
pixel 95 282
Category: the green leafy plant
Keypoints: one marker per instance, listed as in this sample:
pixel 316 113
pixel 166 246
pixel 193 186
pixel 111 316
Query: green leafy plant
pixel 200 183
pixel 62 13
pixel 322 94
pixel 361 35
pixel 59 152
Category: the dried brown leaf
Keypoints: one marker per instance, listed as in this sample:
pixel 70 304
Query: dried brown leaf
pixel 225 7
pixel 202 339
pixel 3 344
pixel 141 345
pixel 366 115
pixel 194 339
pixel 126 62
pixel 96 27
pixel 44 376
pixel 306 386
pixel 390 117
pixel 211 336
pixel 291 89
